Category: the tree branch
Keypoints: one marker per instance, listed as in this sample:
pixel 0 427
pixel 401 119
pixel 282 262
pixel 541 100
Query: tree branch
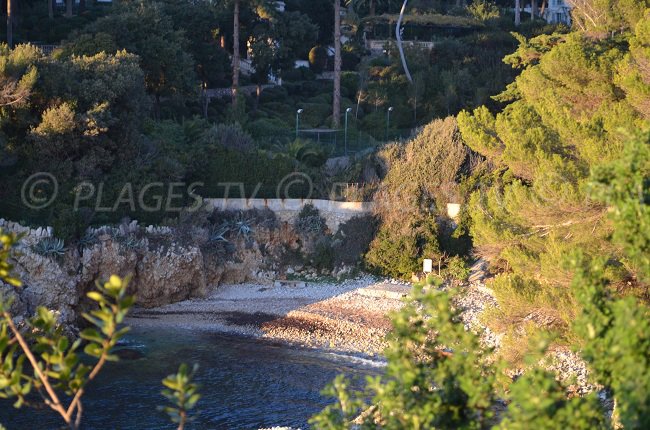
pixel 55 403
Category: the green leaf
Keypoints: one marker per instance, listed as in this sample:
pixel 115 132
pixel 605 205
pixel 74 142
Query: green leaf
pixel 92 335
pixel 93 350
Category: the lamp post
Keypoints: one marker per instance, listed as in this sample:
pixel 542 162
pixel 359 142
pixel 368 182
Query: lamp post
pixel 298 112
pixel 347 111
pixel 390 109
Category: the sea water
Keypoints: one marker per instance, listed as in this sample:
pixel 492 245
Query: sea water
pixel 245 384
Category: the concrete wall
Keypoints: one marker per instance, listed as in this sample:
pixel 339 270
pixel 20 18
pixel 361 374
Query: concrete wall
pixel 335 213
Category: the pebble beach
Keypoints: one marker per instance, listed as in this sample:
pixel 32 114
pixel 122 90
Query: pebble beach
pixel 351 316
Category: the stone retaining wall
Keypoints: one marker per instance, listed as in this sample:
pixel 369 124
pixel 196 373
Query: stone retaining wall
pixel 335 213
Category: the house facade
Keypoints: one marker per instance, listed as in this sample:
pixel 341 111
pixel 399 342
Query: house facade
pixel 558 12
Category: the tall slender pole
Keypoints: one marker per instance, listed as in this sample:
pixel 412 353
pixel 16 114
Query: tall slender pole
pixel 517 13
pixel 398 35
pixel 336 99
pixel 347 111
pixel 298 112
pixel 390 109
pixel 235 55
pixel 10 25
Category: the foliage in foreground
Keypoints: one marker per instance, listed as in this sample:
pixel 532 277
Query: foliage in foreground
pixel 182 393
pixel 39 361
pixel 58 372
pixel 431 378
pixel 437 376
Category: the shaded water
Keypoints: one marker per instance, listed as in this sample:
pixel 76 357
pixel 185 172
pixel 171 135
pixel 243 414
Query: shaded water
pixel 245 384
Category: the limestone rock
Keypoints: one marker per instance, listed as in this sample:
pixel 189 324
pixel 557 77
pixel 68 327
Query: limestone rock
pixel 167 277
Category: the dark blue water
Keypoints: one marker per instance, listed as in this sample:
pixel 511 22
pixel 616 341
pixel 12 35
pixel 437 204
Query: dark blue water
pixel 245 384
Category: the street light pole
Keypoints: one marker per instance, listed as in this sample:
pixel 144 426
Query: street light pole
pixel 298 112
pixel 390 109
pixel 347 111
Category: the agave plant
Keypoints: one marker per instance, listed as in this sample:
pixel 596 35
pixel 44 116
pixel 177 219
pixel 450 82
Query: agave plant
pixel 218 234
pixel 131 242
pixel 88 240
pixel 50 247
pixel 243 228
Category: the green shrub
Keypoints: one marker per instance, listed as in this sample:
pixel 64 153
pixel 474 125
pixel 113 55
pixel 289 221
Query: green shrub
pixel 221 166
pixel 315 114
pixel 392 255
pixel 229 136
pixel 433 280
pixel 541 402
pixel 483 10
pixel 307 153
pixel 323 256
pixel 349 84
pixel 353 238
pixel 457 269
pixel 349 59
pixel 309 221
pixel 420 181
pixel 299 74
pixel 523 301
pixel 274 94
pixel 270 131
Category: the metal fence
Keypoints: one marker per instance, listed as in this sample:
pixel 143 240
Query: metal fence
pixel 338 143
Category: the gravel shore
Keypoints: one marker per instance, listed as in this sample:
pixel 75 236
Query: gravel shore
pixel 350 317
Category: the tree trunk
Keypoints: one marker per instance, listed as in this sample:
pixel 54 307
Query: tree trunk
pixel 415 111
pixel 235 55
pixel 82 6
pixel 543 9
pixel 50 8
pixel 533 9
pixel 398 35
pixel 10 25
pixel 517 13
pixel 373 10
pixel 68 8
pixel 336 104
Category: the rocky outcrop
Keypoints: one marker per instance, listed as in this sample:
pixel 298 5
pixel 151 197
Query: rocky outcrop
pixel 45 283
pixel 166 276
pixel 165 264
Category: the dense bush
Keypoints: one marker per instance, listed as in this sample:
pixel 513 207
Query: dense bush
pixel 148 31
pixel 269 132
pixel 352 240
pixel 421 179
pixel 229 136
pixel 309 221
pixel 323 256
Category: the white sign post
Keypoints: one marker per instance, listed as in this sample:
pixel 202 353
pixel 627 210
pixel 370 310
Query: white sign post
pixel 427 265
